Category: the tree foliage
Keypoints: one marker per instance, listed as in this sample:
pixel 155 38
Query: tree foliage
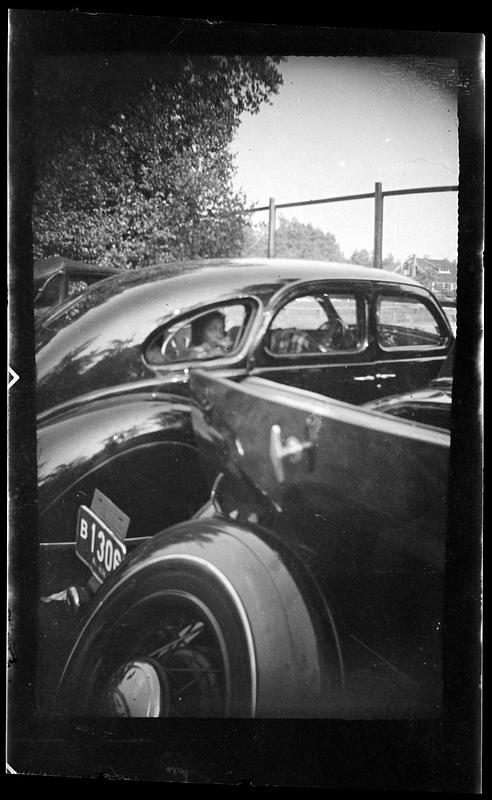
pixel 132 155
pixel 293 239
pixel 362 257
pixel 390 263
pixel 366 259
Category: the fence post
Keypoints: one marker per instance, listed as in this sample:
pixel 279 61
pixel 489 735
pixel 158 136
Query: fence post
pixel 378 226
pixel 271 228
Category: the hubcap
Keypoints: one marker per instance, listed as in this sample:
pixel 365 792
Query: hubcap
pixel 184 676
pixel 138 691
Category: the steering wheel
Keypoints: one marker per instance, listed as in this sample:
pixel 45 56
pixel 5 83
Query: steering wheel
pixel 173 347
pixel 336 329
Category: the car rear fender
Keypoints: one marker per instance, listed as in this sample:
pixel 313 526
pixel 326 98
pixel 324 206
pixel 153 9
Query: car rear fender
pixel 130 449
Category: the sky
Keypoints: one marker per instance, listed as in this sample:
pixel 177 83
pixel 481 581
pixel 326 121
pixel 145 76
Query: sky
pixel 338 125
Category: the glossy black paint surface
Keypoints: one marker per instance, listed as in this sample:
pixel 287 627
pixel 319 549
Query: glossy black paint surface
pixel 139 450
pixel 77 443
pixel 364 507
pixel 391 475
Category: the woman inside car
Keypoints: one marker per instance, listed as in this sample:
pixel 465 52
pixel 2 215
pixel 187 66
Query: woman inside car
pixel 208 337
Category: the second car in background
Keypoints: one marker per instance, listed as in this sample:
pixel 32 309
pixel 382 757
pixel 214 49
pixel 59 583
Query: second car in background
pixel 56 279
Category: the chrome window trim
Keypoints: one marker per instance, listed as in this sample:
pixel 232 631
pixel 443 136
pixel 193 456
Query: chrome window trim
pixel 337 364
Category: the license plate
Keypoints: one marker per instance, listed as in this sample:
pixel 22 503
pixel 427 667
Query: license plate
pixel 96 544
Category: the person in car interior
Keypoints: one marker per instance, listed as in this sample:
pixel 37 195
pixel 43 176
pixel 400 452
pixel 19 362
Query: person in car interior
pixel 209 337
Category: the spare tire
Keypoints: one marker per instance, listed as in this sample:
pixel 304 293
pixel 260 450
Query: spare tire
pixel 204 620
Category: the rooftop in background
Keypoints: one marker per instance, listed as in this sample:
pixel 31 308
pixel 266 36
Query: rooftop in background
pixel 441 266
pixel 439 275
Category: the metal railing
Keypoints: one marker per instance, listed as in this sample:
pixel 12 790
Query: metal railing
pixel 378 194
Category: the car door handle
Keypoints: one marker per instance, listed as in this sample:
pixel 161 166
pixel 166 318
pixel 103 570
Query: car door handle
pixel 364 378
pixel 292 449
pixel 384 376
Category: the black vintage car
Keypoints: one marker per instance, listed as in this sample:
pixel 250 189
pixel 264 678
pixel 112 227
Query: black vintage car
pixel 118 457
pixel 56 279
pixel 310 584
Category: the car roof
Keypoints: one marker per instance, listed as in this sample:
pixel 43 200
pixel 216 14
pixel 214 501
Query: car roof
pixel 45 267
pixel 208 278
pixel 263 270
pixel 147 298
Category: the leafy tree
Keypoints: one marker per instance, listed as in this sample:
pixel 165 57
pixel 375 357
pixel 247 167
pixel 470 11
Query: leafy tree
pixel 293 239
pixel 366 259
pixel 255 239
pixel 132 158
pixel 362 257
pixel 390 263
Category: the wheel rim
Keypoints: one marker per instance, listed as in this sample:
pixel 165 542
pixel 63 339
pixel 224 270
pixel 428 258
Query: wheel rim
pixel 137 691
pixel 178 666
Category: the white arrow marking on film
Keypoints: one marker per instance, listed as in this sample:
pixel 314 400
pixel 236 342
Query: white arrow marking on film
pixel 14 377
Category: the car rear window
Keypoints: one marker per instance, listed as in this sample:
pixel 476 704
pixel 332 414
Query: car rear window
pixel 407 322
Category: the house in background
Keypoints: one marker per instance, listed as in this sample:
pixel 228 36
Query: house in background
pixel 439 275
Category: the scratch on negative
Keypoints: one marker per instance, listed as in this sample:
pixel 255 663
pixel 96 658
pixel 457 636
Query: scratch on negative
pixel 436 163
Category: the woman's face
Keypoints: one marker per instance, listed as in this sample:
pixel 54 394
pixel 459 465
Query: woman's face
pixel 214 331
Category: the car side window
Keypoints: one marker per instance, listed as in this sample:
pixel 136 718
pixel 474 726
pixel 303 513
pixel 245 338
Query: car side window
pixel 317 323
pixel 215 333
pixel 407 322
